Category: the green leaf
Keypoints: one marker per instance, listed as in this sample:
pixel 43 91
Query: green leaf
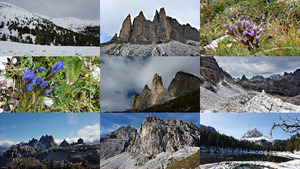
pixel 73 70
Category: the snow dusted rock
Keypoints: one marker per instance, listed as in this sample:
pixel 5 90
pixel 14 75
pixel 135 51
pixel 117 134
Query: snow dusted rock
pixel 48 101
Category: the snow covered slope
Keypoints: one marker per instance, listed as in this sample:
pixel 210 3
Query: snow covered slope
pixel 20 49
pixel 20 25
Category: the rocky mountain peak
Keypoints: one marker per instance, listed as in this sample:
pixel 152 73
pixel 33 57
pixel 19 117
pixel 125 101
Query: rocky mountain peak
pixel 46 142
pixel 157 83
pixel 153 119
pixel 146 87
pixel 244 78
pixel 252 133
pixel 183 83
pixel 64 143
pixel 211 74
pixel 125 30
pixel 161 30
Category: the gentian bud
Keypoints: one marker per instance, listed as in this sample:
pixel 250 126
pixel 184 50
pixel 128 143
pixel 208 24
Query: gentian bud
pixel 43 84
pixel 57 66
pixel 21 90
pixel 41 69
pixel 48 91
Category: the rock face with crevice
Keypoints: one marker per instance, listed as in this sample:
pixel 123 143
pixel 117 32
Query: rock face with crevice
pixel 155 136
pixel 183 83
pixel 161 29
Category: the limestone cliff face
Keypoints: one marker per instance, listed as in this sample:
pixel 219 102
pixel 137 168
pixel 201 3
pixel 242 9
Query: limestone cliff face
pixel 162 29
pixel 156 136
pixel 126 30
pixel 182 83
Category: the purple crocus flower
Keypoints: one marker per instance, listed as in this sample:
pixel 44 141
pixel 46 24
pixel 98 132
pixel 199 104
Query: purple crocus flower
pixel 246 23
pixel 27 75
pixel 43 84
pixel 57 66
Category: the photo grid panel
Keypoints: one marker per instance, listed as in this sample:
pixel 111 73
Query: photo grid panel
pixel 149 140
pixel 50 140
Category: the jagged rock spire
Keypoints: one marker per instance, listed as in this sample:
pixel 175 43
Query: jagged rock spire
pixel 125 30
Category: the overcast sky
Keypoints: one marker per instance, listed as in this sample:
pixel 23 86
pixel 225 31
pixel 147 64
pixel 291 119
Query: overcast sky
pixel 122 76
pixel 113 13
pixel 237 124
pixel 83 9
pixel 265 66
pixel 112 121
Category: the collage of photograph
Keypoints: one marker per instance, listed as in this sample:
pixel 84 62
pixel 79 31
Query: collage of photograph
pixel 51 114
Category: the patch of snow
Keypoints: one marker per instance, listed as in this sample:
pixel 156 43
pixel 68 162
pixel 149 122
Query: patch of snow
pixel 20 49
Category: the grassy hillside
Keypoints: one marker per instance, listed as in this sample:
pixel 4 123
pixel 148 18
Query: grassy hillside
pixel 279 19
pixel 190 162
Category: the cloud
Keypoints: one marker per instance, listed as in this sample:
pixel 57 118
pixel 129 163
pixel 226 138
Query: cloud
pixel 84 9
pixel 125 75
pixel 7 143
pixel 250 66
pixel 113 12
pixel 90 134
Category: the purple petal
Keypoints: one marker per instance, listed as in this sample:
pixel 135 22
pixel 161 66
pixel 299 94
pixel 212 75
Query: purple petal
pixel 246 23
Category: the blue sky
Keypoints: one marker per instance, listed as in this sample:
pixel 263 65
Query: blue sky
pixel 113 13
pixel 237 124
pixel 125 75
pixel 251 66
pixel 112 121
pixel 21 127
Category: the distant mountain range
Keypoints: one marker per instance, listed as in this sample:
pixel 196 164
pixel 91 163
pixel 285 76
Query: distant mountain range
pixel 20 25
pixel 45 153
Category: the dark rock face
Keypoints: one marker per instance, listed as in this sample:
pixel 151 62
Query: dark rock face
pixel 117 141
pixel 287 85
pixel 46 142
pixel 155 136
pixel 34 155
pixel 211 74
pixel 64 144
pixel 182 84
pixel 252 133
pixel 162 29
pixel 257 77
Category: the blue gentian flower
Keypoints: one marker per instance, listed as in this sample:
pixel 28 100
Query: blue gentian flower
pixel 27 75
pixel 57 66
pixel 48 91
pixel 21 90
pixel 33 81
pixel 29 87
pixel 43 84
pixel 41 69
pixel 38 80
